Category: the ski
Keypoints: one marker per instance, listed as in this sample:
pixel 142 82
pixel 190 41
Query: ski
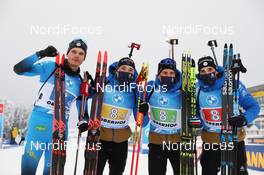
pixel 93 135
pixel 188 156
pixel 228 135
pixel 224 126
pixel 142 81
pixel 230 109
pixel 58 158
pixel 84 91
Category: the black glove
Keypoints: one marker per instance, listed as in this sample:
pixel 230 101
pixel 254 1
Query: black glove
pixel 50 51
pixel 82 126
pixel 143 108
pixel 89 77
pixel 237 121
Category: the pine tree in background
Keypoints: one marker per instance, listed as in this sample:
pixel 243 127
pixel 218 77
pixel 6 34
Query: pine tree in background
pixel 15 115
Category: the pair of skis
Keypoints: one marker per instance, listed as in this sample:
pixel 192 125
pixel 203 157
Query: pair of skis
pixel 188 155
pixel 92 141
pixel 58 158
pixel 142 81
pixel 230 108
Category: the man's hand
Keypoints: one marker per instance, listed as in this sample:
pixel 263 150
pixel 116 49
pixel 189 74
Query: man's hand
pixel 50 51
pixel 82 126
pixel 237 121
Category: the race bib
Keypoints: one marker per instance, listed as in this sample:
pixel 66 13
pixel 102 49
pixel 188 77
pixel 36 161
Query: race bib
pixel 46 98
pixel 165 119
pixel 212 118
pixel 114 117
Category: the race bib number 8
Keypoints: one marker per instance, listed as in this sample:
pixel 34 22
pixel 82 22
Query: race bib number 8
pixel 162 115
pixel 113 113
pixel 212 115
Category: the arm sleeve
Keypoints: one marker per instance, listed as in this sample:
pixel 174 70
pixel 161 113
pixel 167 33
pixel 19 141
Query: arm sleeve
pixel 248 103
pixel 29 66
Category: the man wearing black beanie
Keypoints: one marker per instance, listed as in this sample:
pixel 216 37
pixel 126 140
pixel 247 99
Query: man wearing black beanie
pixel 211 79
pixel 41 119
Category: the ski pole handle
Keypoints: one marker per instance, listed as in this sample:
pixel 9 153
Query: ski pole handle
pixel 84 90
pixel 212 44
pixel 132 46
pixel 243 68
pixel 237 65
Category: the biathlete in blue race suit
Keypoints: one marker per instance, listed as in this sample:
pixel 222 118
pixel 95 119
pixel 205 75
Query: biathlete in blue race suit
pixel 39 134
pixel 209 105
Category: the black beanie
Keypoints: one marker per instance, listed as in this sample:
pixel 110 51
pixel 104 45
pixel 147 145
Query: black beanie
pixel 79 43
pixel 126 61
pixel 205 62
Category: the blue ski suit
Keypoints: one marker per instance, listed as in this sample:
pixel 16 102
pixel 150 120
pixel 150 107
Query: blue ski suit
pixel 118 106
pixel 165 125
pixel 165 108
pixel 39 134
pixel 209 105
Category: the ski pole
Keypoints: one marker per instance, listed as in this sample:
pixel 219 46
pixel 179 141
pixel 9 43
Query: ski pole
pixel 173 42
pixel 140 121
pixel 237 67
pixel 85 93
pixel 142 81
pixel 212 44
pixel 134 145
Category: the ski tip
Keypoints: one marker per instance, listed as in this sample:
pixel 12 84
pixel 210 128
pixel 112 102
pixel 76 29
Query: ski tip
pixel 225 46
pixel 190 53
pixel 99 57
pixel 231 45
pixel 184 54
pixel 105 55
pixel 62 59
pixel 193 63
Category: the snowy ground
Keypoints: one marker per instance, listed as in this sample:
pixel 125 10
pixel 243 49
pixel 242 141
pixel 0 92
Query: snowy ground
pixel 10 162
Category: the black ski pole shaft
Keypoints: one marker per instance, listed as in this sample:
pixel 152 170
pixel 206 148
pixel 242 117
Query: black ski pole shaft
pixel 213 44
pixel 173 42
